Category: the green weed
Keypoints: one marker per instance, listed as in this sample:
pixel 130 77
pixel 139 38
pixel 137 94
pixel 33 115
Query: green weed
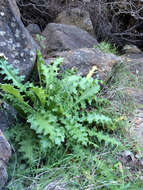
pixel 63 112
pixel 107 48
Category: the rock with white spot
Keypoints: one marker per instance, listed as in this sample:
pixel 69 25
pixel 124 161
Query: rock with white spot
pixel 14 38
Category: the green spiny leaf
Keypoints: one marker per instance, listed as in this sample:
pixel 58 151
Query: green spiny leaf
pixel 46 124
pixel 11 73
pixel 13 91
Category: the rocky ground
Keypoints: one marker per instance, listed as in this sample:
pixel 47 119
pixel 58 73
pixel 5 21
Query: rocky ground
pixel 135 62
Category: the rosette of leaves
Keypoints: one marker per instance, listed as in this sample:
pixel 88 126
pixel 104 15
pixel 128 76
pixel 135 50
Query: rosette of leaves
pixel 63 111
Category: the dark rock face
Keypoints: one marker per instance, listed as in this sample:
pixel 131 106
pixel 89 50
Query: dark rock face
pixel 61 37
pixel 5 153
pixel 7 116
pixel 86 59
pixel 15 42
pixel 5 121
pixel 5 150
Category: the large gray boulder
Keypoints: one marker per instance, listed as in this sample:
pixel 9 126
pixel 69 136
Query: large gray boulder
pixel 61 37
pixel 85 60
pixel 15 41
pixel 18 46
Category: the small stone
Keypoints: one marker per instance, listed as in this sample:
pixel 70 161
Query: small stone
pixel 131 49
pixel 128 155
pixel 137 156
